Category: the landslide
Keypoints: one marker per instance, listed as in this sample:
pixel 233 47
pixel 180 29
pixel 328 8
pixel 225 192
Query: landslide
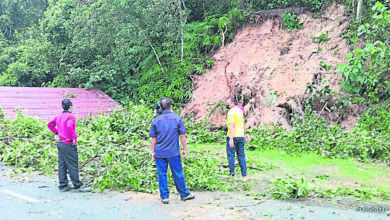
pixel 270 69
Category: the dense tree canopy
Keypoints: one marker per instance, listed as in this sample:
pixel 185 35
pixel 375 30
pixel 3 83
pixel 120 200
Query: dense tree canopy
pixel 19 15
pixel 131 49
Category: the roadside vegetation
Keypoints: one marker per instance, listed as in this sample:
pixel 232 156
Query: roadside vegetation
pixel 115 154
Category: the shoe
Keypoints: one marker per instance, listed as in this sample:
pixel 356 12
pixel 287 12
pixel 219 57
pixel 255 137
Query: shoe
pixel 65 188
pixel 165 201
pixel 244 178
pixel 82 189
pixel 189 197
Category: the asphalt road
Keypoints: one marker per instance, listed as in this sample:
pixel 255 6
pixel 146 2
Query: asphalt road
pixel 37 197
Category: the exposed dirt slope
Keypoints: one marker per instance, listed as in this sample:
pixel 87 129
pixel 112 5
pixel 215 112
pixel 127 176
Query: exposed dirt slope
pixel 263 60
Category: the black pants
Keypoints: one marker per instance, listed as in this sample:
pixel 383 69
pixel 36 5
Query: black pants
pixel 68 161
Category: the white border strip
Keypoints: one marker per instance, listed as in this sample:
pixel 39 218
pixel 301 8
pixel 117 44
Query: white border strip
pixel 19 195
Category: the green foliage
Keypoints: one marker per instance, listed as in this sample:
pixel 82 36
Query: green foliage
pixel 204 172
pixel 198 10
pixel 203 133
pixel 322 38
pixel 359 193
pixel 313 5
pixel 138 58
pixel 320 94
pixel 291 21
pixel 378 29
pixel 209 64
pixel 325 66
pixel 22 147
pixel 367 71
pixel 375 25
pixel 376 118
pixel 367 141
pixel 271 99
pixel 113 150
pixel 17 15
pixel 311 135
pixel 205 37
pixel 130 50
pixel 293 188
pixel 26 65
pixel 154 85
pixel 289 188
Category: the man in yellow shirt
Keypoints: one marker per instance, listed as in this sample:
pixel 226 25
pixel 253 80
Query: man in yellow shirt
pixel 235 138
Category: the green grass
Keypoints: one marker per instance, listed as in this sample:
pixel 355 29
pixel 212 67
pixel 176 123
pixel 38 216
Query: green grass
pixel 277 163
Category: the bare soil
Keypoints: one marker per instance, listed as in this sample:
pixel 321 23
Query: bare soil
pixel 270 69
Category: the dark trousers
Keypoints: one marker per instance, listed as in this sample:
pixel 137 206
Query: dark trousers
pixel 177 173
pixel 239 148
pixel 68 161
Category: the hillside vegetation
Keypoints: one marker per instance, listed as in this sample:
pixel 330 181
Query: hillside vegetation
pixel 132 50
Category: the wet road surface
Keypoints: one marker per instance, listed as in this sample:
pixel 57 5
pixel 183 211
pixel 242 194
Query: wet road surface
pixel 37 197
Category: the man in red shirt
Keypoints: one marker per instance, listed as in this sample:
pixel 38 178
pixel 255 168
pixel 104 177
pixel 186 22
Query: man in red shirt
pixel 64 125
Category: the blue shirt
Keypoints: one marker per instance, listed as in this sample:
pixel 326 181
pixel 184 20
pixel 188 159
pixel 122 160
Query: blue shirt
pixel 167 128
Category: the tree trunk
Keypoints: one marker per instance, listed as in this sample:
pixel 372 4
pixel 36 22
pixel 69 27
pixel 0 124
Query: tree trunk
pixel 223 34
pixel 359 10
pixel 155 54
pixel 181 33
pixel 182 23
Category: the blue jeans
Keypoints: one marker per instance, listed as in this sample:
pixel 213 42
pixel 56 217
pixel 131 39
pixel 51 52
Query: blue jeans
pixel 177 173
pixel 68 161
pixel 239 147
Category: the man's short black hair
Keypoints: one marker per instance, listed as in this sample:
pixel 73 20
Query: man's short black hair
pixel 232 99
pixel 165 103
pixel 66 103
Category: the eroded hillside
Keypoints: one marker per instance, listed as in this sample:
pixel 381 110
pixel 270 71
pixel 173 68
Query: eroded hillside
pixel 270 68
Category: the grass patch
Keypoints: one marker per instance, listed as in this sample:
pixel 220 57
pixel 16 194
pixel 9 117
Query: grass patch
pixel 325 173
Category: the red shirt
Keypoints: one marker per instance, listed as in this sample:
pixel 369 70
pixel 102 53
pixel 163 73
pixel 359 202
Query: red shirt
pixel 65 125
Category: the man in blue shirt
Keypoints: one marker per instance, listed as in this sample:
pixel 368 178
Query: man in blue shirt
pixel 165 132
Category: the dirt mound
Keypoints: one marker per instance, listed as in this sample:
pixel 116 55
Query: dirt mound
pixel 270 68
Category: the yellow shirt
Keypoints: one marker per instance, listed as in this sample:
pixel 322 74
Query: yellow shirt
pixel 236 116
